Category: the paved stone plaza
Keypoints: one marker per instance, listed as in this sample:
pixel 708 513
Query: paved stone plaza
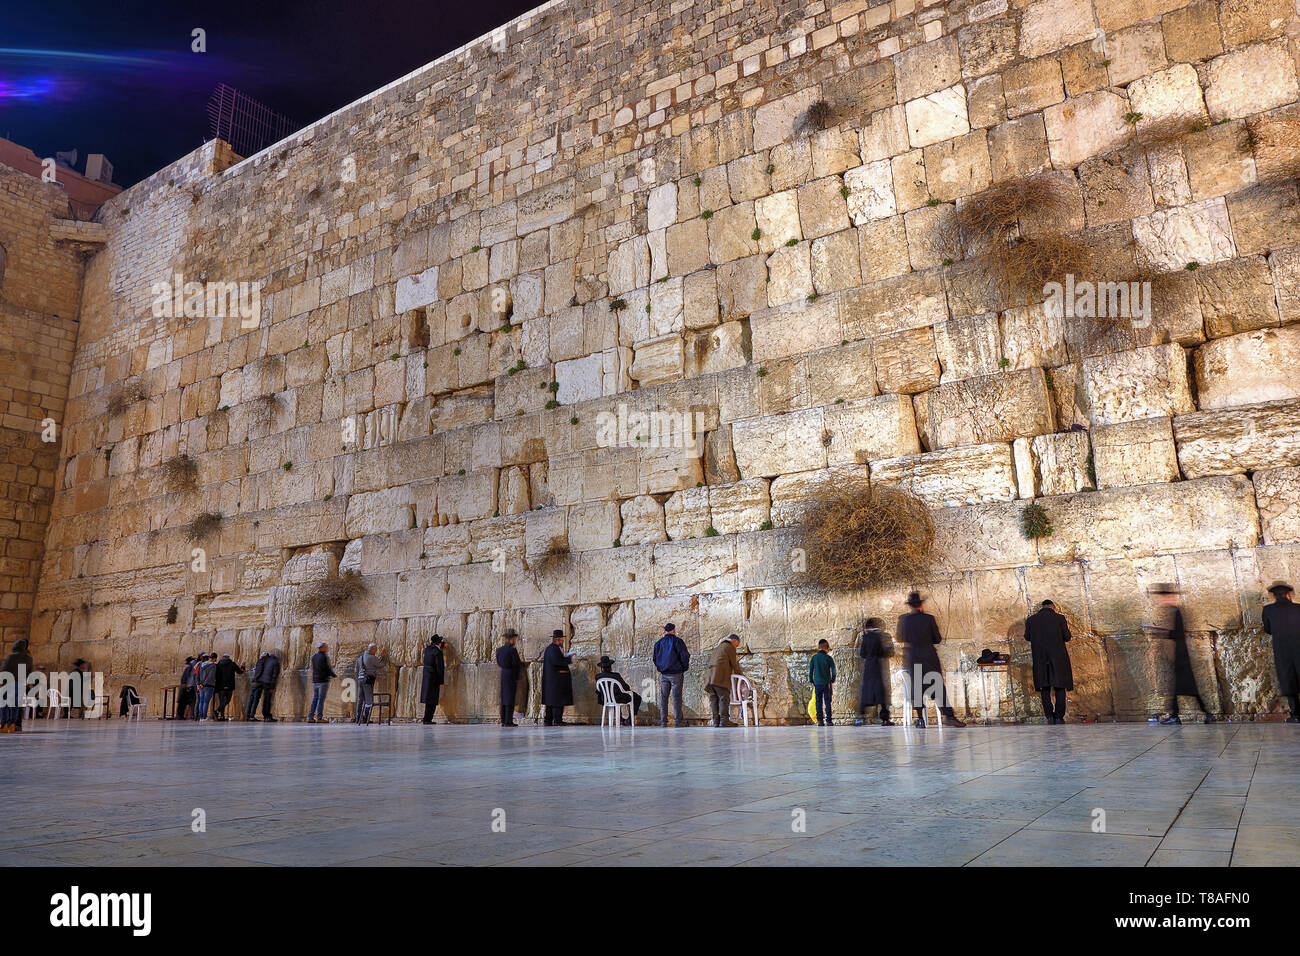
pixel 114 793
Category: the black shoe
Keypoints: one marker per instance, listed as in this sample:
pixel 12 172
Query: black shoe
pixel 1172 720
pixel 1209 718
pixel 253 719
pixel 887 723
pixel 272 720
pixel 1293 719
pixel 953 722
pixel 919 723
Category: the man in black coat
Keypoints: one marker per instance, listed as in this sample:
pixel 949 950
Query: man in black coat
pixel 226 671
pixel 1282 620
pixel 875 690
pixel 432 674
pixel 1170 627
pixel 621 696
pixel 557 682
pixel 919 634
pixel 1047 633
pixel 186 696
pixel 265 676
pixel 510 664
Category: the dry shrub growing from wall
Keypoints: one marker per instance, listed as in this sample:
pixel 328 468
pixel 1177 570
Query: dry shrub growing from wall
pixel 180 473
pixel 858 536
pixel 203 525
pixel 818 116
pixel 330 595
pixel 124 395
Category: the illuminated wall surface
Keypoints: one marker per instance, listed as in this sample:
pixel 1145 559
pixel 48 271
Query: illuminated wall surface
pixel 820 235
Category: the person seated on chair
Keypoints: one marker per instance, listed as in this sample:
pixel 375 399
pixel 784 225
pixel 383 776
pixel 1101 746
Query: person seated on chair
pixel 607 670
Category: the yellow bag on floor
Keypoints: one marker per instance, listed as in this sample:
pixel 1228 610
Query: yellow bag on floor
pixel 812 708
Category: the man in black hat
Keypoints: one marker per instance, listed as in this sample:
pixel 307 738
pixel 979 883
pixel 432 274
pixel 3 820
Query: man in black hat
pixel 226 671
pixel 1169 626
pixel 432 676
pixel 919 634
pixel 622 696
pixel 1282 620
pixel 557 682
pixel 510 664
pixel 186 696
pixel 1047 633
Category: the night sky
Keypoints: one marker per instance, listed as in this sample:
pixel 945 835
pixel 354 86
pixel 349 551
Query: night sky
pixel 119 77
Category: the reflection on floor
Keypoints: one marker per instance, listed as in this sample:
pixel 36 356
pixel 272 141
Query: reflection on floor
pixel 112 792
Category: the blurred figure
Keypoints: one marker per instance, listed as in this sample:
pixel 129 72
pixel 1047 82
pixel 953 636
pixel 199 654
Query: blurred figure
pixel 433 674
pixel 1169 626
pixel 919 633
pixel 1282 620
pixel 16 667
pixel 875 689
pixel 185 698
pixel 1047 633
pixel 266 674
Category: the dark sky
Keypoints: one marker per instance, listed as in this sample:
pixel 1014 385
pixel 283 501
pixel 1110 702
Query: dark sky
pixel 119 77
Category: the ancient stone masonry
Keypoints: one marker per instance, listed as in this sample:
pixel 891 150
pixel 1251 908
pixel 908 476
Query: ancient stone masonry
pixel 569 327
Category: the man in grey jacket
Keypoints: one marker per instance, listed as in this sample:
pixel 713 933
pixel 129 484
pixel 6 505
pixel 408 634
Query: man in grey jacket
pixel 369 665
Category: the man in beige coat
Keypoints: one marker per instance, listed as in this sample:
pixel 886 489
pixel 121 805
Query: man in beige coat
pixel 724 664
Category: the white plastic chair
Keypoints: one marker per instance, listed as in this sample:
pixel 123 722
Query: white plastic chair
pixel 903 677
pixel 56 705
pixel 606 687
pixel 744 696
pixel 29 705
pixel 139 708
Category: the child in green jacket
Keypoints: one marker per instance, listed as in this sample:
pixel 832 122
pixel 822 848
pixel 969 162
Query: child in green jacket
pixel 821 672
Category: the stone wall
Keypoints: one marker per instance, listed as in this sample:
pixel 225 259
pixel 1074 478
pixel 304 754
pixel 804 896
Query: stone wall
pixel 727 214
pixel 40 291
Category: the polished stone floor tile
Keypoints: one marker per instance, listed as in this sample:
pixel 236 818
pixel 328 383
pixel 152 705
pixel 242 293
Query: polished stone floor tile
pixel 117 793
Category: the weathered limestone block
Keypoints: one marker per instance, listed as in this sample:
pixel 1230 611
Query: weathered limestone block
pixel 668 469
pixel 688 247
pixel 866 429
pixel 1251 80
pixel 377 512
pixel 579 379
pixel 910 301
pixel 1170 239
pixel 790 274
pixel 1152 519
pixel 1084 126
pixel 777 217
pixel 417 291
pixel 871 192
pixel 835 262
pixel 1061 462
pixel 659 360
pixel 980 537
pixel 686 514
pixel 731 233
pixel 1277 491
pixel 968 347
pixel 741 289
pixel 1166 94
pixel 989 408
pixel 971 474
pixel 937 116
pixel 793 494
pixel 617 574
pixel 1050 25
pixel 780 444
pixel 667 307
pixel 1134 453
pixel 705 564
pixel 1142 383
pixel 661 208
pixel 1249 368
pixel 1237 440
pixel 822 209
pixel 774 122
pixel 1032 336
pixel 740 506
pixel 906 362
pixel 546 531
pixel 445 546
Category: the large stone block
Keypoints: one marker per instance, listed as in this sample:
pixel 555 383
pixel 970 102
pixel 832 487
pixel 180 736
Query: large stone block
pixel 780 444
pixel 1249 368
pixel 1134 453
pixel 872 428
pixel 1151 520
pixel 988 408
pixel 1277 491
pixel 1060 463
pixel 1142 383
pixel 1251 80
pixel 793 495
pixel 740 506
pixel 1084 126
pixel 937 116
pixel 971 474
pixel 1237 440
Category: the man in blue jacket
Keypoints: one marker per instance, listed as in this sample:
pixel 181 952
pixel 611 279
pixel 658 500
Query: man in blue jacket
pixel 672 660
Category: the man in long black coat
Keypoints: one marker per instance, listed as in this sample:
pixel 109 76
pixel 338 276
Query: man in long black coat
pixel 919 634
pixel 1047 633
pixel 557 682
pixel 432 675
pixel 1170 627
pixel 875 690
pixel 510 664
pixel 623 694
pixel 1282 620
